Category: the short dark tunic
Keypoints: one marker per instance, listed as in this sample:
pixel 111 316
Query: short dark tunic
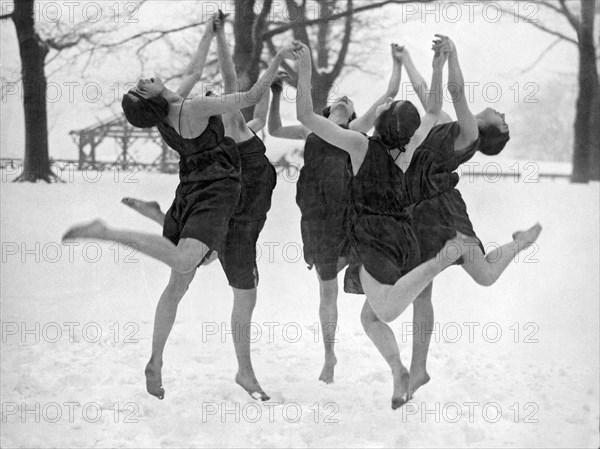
pixel 323 195
pixel 439 210
pixel 382 237
pixel 258 181
pixel 209 185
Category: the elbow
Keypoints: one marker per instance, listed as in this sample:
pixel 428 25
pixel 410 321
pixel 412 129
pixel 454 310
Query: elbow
pixel 304 115
pixel 230 82
pixel 257 124
pixel 273 128
pixel 392 92
pixel 434 109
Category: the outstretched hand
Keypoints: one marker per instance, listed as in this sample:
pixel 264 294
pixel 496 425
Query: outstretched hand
pixel 217 21
pixel 281 77
pixel 399 52
pixel 443 44
pixel 301 53
pixel 289 51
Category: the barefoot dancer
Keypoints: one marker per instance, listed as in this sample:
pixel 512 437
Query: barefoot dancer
pixel 441 211
pixel 323 197
pixel 384 245
pixel 197 222
pixel 380 333
pixel 239 255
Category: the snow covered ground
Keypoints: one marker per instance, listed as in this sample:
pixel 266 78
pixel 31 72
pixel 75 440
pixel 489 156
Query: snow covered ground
pixel 515 364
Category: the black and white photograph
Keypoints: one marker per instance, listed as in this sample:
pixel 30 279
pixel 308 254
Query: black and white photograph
pixel 300 224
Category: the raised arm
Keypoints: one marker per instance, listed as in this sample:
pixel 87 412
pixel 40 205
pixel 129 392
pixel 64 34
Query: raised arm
pixel 469 131
pixel 259 118
pixel 433 110
pixel 194 70
pixel 235 124
pixel 416 79
pixel 366 121
pixel 435 96
pixel 276 128
pixel 225 60
pixel 204 107
pixel 353 142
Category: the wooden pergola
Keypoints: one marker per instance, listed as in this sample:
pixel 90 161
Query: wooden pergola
pixel 117 128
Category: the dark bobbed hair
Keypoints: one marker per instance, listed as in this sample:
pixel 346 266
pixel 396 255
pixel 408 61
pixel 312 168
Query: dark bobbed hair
pixel 492 140
pixel 326 111
pixel 396 125
pixel 144 112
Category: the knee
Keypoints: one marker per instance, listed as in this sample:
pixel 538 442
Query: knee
pixel 187 261
pixel 177 289
pixel 329 292
pixel 386 316
pixel 484 279
pixel 368 317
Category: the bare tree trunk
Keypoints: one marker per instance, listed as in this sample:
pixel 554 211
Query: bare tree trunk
pixel 242 55
pixel 595 133
pixel 33 53
pixel 248 30
pixel 321 86
pixel 588 79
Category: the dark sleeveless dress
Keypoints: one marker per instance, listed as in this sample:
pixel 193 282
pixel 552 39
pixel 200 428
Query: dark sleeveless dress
pixel 382 239
pixel 258 181
pixel 439 210
pixel 209 185
pixel 323 196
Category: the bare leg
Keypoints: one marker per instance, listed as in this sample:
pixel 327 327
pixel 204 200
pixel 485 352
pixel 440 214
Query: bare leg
pixel 184 257
pixel 166 310
pixel 389 301
pixel 486 269
pixel 423 322
pixel 328 315
pixel 244 302
pixel 149 209
pixel 385 341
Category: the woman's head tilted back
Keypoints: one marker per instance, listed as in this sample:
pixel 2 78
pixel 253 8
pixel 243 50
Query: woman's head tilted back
pixel 396 123
pixel 144 107
pixel 493 132
pixel 343 106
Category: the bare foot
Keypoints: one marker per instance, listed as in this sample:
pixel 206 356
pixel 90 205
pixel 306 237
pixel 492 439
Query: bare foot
pixel 249 383
pixel 95 229
pixel 417 379
pixel 328 369
pixel 527 238
pixel 401 388
pixel 149 209
pixel 154 379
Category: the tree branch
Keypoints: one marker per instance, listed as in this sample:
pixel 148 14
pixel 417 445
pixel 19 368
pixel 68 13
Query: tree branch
pixel 6 16
pixel 339 64
pixel 258 28
pixel 160 34
pixel 336 16
pixel 574 21
pixel 541 56
pixel 540 26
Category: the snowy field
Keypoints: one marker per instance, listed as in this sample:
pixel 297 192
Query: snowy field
pixel 515 364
